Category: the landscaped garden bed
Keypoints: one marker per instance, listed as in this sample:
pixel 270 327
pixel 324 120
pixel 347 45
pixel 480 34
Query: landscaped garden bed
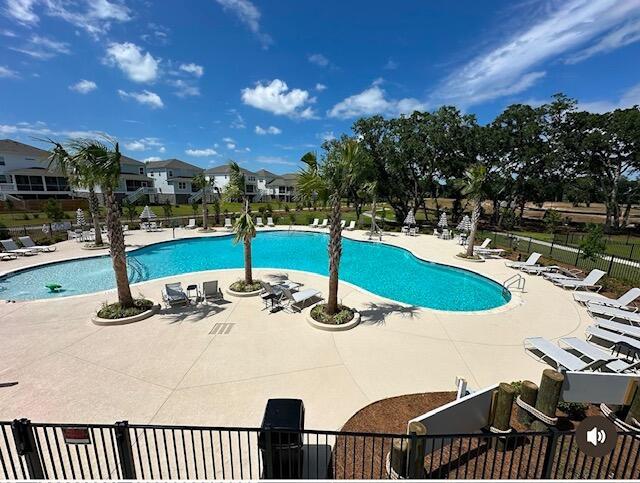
pixel 244 289
pixel 344 319
pixel 115 314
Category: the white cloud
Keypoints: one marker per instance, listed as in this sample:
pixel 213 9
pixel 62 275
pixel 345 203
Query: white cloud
pixel 228 140
pixel 390 65
pixel 40 129
pixel 195 69
pixel 130 59
pixel 275 160
pixel 276 98
pixel 7 73
pixel 157 35
pixel 162 149
pixel 43 48
pixel 373 101
pixel 629 98
pixel 320 87
pixel 84 86
pixel 145 144
pixel 184 88
pixel 135 146
pixel 319 60
pixel 22 11
pixel 238 120
pixel 267 130
pixel 510 67
pixel 249 15
pixel 231 146
pixel 201 153
pixel 152 158
pixel 7 33
pixel 145 97
pixel 625 35
pixel 327 136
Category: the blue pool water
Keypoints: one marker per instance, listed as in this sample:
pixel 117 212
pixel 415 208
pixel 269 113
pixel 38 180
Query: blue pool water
pixel 381 269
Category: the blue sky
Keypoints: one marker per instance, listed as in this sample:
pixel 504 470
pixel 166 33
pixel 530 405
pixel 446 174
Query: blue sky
pixel 263 82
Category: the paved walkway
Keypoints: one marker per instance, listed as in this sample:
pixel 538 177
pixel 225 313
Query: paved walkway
pixel 218 364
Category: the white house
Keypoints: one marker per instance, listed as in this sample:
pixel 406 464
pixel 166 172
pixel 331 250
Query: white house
pixel 262 185
pixel 173 179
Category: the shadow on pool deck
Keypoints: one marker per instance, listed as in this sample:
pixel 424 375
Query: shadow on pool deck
pixel 376 313
pixel 195 313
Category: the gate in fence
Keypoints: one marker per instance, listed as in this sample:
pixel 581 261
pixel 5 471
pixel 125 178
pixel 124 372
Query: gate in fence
pixel 130 451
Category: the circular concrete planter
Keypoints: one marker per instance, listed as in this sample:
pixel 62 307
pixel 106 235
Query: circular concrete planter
pixel 333 327
pixel 208 230
pixel 89 247
pixel 127 320
pixel 244 294
pixel 480 260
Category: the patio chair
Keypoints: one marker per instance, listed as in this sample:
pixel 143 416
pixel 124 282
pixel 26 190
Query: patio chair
pixel 300 298
pixel 485 244
pixel 588 283
pixel 10 247
pixel 324 224
pixel 489 252
pixel 612 313
pixel 529 262
pixel 352 225
pixel 594 353
pixel 622 302
pixel 27 242
pixel 88 236
pixel 270 222
pixel 564 361
pixel 259 222
pixel 343 223
pixel 315 223
pixel 173 295
pixel 192 224
pixel 211 291
pixel 125 228
pixel 5 257
pixel 561 273
pixel 623 329
pixel 617 341
pixel 227 224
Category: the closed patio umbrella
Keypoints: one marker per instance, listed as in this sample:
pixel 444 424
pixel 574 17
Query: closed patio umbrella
pixel 465 224
pixel 147 214
pixel 80 217
pixel 443 223
pixel 410 219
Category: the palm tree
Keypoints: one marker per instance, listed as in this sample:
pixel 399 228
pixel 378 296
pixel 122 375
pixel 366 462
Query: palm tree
pixel 101 160
pixel 244 227
pixel 201 182
pixel 79 176
pixel 474 187
pixel 340 171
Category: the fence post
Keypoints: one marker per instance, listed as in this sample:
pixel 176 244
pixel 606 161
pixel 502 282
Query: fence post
pixel 610 265
pixel 549 454
pixel 268 450
pixel 577 257
pixel 417 431
pixel 633 245
pixel 552 242
pixel 125 451
pixel 26 446
pixel 529 246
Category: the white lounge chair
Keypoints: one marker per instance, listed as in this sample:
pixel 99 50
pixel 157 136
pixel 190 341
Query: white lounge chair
pixel 561 273
pixel 259 222
pixel 227 224
pixel 612 313
pixel 297 298
pixel 485 244
pixel 352 225
pixel 270 222
pixel 624 329
pixel 594 353
pixel 211 291
pixel 564 361
pixel 622 302
pixel 617 341
pixel 5 257
pixel 315 223
pixel 173 295
pixel 343 224
pixel 529 262
pixel 192 224
pixel 490 252
pixel 542 269
pixel 28 243
pixel 324 224
pixel 10 247
pixel 588 283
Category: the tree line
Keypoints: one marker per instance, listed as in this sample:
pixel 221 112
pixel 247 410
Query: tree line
pixel 551 152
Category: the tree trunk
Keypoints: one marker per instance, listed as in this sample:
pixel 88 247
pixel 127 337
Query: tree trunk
pixel 475 218
pixel 117 250
pixel 625 216
pixel 205 211
pixel 94 208
pixel 335 252
pixel 248 274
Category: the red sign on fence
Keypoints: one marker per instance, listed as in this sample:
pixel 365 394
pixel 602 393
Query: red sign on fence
pixel 76 435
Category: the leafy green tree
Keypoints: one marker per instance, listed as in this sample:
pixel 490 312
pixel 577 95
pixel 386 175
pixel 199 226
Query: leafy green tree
pixel 552 220
pixel 201 182
pixel 129 209
pixel 194 207
pixel 593 244
pixel 167 209
pixel 474 186
pixel 53 210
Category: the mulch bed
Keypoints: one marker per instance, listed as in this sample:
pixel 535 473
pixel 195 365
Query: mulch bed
pixel 356 457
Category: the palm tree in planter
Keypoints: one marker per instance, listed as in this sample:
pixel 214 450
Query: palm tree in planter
pixel 475 186
pixel 340 170
pixel 80 176
pixel 201 182
pixel 102 159
pixel 244 227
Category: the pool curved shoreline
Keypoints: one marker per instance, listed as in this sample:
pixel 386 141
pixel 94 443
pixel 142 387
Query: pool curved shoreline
pixel 415 261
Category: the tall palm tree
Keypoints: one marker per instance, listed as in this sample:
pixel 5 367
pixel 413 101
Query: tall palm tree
pixel 244 227
pixel 79 177
pixel 340 171
pixel 475 188
pixel 200 181
pixel 101 158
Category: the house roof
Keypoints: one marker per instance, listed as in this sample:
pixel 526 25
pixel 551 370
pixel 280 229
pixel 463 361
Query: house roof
pixel 15 147
pixel 172 163
pixel 36 171
pixel 289 179
pixel 263 173
pixel 127 160
pixel 224 169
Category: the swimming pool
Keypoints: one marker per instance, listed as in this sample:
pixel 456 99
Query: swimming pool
pixel 384 270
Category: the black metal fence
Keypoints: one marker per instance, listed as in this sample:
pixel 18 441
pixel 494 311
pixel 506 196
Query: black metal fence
pixel 123 451
pixel 616 266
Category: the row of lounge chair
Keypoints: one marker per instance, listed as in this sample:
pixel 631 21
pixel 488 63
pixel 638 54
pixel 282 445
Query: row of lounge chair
pixel 485 251
pixel 325 224
pixel 29 248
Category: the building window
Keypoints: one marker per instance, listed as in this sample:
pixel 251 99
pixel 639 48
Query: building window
pixel 252 178
pixel 1 160
pixel 250 188
pixel 141 170
pixel 182 185
pixel 56 183
pixel 170 174
pixel 3 179
pixel 29 183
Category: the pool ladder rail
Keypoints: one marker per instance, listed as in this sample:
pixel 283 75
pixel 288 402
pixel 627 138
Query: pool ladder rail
pixel 518 280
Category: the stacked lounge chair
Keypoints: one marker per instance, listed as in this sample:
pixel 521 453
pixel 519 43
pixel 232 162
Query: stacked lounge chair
pixel 612 313
pixel 270 222
pixel 563 360
pixel 28 243
pixel 529 262
pixel 10 247
pixel 588 283
pixel 259 222
pixel 227 224
pixel 622 302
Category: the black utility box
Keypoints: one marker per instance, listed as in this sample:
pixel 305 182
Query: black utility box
pixel 281 439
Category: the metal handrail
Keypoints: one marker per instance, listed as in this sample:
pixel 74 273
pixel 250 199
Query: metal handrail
pixel 517 280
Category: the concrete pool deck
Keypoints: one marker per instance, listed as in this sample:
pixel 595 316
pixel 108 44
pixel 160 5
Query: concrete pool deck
pixel 218 364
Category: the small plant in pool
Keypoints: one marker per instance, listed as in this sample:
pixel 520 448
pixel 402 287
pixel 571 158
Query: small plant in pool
pixel 244 287
pixel 342 316
pixel 117 311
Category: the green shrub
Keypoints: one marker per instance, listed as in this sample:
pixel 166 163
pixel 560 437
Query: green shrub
pixel 344 315
pixel 242 286
pixel 593 244
pixel 116 311
pixel 574 410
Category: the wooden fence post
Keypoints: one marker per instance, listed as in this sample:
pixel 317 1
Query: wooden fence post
pixel 528 394
pixel 548 396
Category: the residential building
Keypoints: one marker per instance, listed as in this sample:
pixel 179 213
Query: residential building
pixel 173 179
pixel 261 185
pixel 283 187
pixel 222 174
